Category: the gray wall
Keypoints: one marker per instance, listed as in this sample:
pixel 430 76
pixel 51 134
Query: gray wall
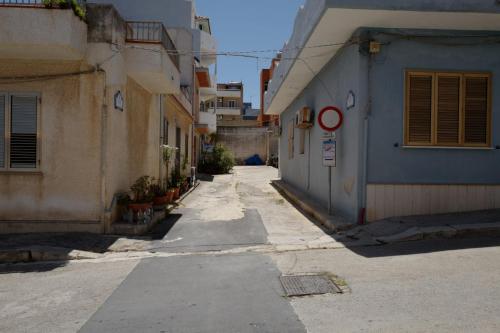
pixel 244 142
pixel 173 13
pixel 340 76
pixel 388 164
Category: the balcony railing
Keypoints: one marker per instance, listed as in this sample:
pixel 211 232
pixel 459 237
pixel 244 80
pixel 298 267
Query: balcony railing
pixel 154 33
pixel 30 3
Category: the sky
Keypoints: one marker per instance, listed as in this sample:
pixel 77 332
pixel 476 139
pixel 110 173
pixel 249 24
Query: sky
pixel 243 25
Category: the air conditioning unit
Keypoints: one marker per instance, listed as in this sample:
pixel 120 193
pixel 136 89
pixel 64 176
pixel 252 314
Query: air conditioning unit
pixel 304 118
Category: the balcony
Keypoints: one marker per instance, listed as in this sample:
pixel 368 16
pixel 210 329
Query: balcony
pixel 152 59
pixel 207 123
pixel 226 110
pixel 208 83
pixel 205 44
pixel 32 32
pixel 232 93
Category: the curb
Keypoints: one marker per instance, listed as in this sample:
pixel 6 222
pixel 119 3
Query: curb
pixel 440 232
pixel 331 222
pixel 44 254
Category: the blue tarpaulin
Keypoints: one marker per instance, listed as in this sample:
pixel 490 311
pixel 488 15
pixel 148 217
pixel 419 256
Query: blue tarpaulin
pixel 254 160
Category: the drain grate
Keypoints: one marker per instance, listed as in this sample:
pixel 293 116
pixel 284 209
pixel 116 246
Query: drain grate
pixel 304 285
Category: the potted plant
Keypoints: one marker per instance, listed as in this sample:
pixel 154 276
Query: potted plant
pixel 168 154
pixel 184 184
pixel 161 196
pixel 175 184
pixel 142 200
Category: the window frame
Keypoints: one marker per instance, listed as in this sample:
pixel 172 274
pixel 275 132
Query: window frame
pixel 434 116
pixel 7 130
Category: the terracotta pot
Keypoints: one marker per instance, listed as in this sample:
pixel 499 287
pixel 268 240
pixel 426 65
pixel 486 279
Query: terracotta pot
pixel 140 207
pixel 160 201
pixel 177 193
pixel 170 196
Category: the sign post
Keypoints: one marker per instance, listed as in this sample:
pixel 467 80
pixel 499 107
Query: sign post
pixel 330 119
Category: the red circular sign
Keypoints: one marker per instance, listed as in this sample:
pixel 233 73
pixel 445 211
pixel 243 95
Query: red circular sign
pixel 337 125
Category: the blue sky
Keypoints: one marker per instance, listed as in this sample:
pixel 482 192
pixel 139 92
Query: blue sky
pixel 242 25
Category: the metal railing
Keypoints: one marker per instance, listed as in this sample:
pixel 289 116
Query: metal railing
pixel 152 32
pixel 30 3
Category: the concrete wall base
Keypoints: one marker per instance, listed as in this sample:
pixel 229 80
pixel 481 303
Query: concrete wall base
pixel 26 227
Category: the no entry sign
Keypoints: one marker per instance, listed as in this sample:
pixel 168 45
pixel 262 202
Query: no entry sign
pixel 330 118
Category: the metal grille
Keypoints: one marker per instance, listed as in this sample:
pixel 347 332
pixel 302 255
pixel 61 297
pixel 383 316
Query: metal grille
pixel 31 3
pixel 152 32
pixel 304 285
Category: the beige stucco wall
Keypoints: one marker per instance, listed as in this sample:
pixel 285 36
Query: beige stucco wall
pixel 67 186
pixel 178 117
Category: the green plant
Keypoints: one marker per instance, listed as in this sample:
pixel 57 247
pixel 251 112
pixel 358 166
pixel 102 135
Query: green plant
pixel 175 179
pixel 141 190
pixel 220 161
pixel 184 162
pixel 157 190
pixel 78 9
pixel 168 153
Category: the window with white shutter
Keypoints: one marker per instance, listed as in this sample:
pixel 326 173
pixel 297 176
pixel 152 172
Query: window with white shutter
pixel 23 132
pixel 2 131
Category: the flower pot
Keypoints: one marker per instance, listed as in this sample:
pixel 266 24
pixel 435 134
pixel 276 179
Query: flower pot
pixel 177 193
pixel 140 207
pixel 161 201
pixel 170 196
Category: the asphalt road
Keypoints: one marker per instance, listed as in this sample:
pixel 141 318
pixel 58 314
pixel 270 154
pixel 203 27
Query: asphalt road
pixel 216 264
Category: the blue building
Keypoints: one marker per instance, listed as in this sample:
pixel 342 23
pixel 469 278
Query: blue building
pixel 418 85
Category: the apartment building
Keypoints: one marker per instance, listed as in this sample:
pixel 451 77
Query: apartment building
pixel 416 83
pixel 86 104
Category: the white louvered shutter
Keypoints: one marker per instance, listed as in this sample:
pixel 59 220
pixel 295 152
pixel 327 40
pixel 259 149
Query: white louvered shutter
pixel 2 131
pixel 23 142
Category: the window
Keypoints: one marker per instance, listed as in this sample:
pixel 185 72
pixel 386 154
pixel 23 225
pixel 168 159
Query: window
pixel 19 131
pixel 291 127
pixel 232 104
pixel 448 109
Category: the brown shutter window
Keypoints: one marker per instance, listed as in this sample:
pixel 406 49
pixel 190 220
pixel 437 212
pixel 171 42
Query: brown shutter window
pixel 419 126
pixel 448 110
pixel 476 110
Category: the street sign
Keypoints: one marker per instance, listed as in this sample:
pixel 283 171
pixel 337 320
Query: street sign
pixel 329 153
pixel 330 118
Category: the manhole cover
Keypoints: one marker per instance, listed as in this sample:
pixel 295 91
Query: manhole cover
pixel 303 285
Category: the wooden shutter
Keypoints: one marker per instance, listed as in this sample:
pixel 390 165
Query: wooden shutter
pixel 23 132
pixel 448 110
pixel 2 131
pixel 419 109
pixel 476 116
pixel 291 128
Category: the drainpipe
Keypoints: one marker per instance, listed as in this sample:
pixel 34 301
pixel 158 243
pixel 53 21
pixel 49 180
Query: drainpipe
pixel 160 99
pixel 105 213
pixel 364 157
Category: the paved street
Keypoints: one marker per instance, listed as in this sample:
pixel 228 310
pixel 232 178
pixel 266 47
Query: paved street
pixel 217 269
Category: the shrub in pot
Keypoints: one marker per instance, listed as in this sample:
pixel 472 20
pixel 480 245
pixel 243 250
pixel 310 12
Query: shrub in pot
pixel 142 200
pixel 175 184
pixel 161 196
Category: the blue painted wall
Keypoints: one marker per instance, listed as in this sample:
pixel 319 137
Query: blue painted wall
pixel 387 164
pixel 340 76
pixel 390 165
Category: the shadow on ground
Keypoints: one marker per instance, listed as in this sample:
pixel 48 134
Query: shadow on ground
pixel 425 246
pixel 21 268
